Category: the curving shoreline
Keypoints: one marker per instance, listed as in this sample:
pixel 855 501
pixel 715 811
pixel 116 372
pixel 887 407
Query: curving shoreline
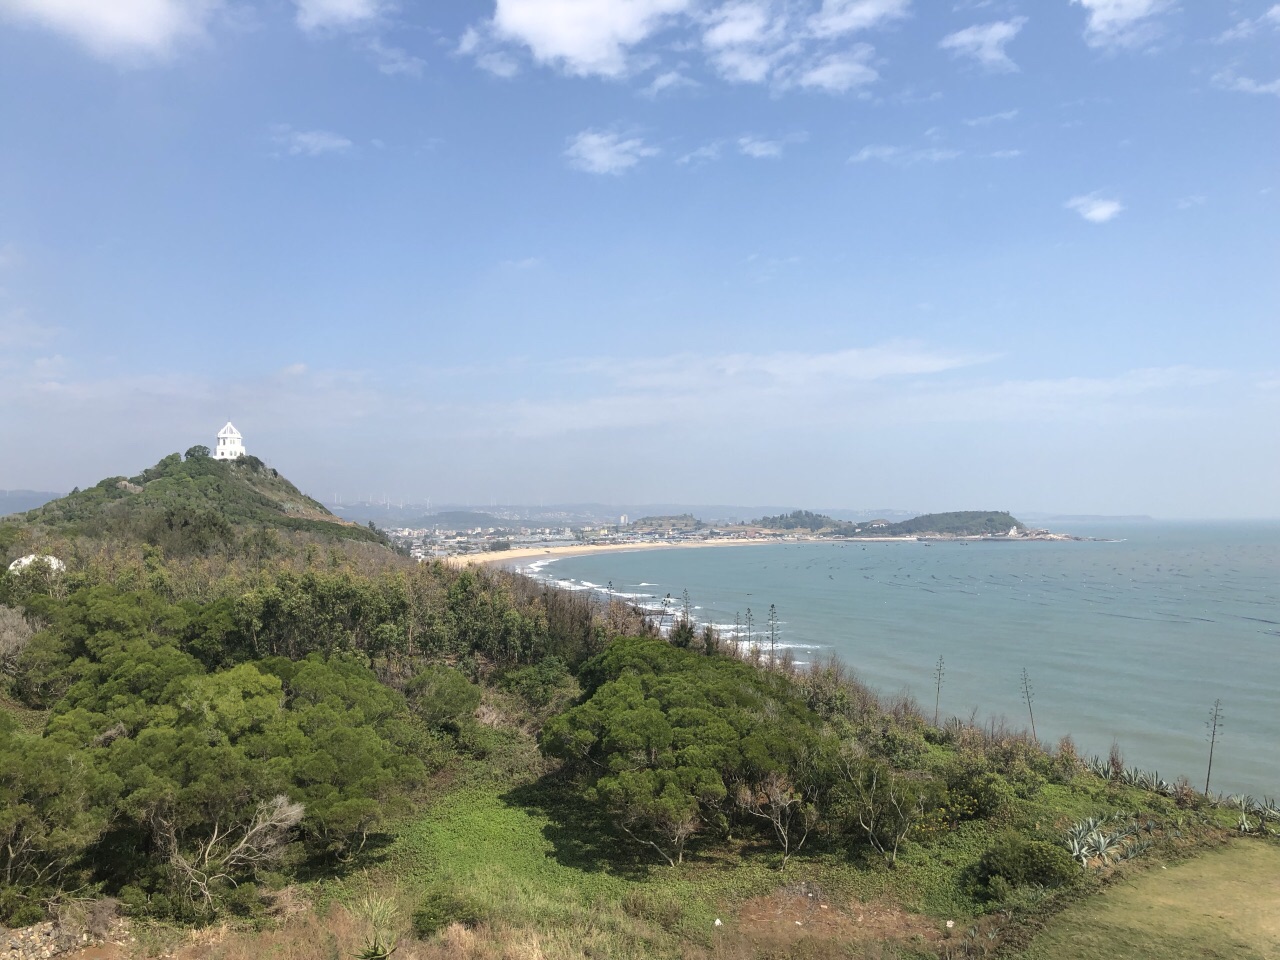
pixel 530 553
pixel 541 553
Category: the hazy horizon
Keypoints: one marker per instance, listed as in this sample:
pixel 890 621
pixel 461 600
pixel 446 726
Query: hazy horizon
pixel 825 251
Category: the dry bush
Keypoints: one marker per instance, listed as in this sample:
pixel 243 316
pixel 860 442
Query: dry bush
pixel 16 632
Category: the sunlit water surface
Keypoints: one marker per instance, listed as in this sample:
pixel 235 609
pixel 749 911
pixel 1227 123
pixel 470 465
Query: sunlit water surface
pixel 1129 641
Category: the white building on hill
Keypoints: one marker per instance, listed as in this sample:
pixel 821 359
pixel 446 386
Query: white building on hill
pixel 230 444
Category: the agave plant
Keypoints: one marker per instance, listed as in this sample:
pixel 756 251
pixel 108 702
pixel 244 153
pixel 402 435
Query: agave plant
pixel 1268 810
pixel 1106 846
pixel 1080 850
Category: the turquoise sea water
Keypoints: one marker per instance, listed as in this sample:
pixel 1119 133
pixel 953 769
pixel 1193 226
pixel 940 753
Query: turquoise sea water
pixel 1131 640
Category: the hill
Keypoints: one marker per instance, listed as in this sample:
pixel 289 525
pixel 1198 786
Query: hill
pixel 804 520
pixel 963 523
pixel 196 498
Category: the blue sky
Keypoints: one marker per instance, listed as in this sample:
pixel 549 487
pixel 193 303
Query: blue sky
pixel 842 252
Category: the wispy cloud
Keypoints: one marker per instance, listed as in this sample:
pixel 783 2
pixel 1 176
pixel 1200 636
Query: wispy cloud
pixel 903 155
pixel 394 61
pixel 986 43
pixel 840 17
pixel 703 154
pixel 1249 26
pixel 134 32
pixel 315 15
pixel 839 72
pixel 606 152
pixel 991 118
pixel 1229 80
pixel 1191 202
pixel 1095 208
pixel 1121 23
pixel 891 384
pixel 760 149
pixel 309 143
pixel 488 54
pixel 668 81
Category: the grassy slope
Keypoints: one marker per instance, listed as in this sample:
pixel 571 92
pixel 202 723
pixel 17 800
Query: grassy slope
pixel 535 865
pixel 1224 904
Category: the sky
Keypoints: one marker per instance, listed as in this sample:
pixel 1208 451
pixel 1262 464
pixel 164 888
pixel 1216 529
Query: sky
pixel 980 254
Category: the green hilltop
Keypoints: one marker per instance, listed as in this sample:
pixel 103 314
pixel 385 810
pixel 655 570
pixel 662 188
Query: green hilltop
pixel 196 498
pixel 963 523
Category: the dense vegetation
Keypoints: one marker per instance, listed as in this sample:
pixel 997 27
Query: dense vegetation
pixel 803 520
pixel 964 523
pixel 195 731
pixel 193 504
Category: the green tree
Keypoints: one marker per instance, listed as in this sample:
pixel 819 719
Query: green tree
pixel 442 697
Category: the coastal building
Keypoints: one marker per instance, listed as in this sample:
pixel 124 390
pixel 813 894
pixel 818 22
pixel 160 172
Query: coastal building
pixel 230 444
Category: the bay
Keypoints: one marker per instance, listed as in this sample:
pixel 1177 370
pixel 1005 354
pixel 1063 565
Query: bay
pixel 1128 641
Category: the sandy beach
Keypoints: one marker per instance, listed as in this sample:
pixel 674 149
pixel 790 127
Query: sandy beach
pixel 515 557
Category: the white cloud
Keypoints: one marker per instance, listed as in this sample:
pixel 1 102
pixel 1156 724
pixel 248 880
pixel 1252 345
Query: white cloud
pixel 481 45
pixel 1231 81
pixel 394 61
pixel 337 14
pixel 670 80
pixel 1249 26
pixel 704 154
pixel 840 72
pixel 760 149
pixel 1004 154
pixel 1191 202
pixel 309 143
pixel 1094 208
pixel 783 43
pixel 985 43
pixel 903 155
pixel 1120 23
pixel 598 151
pixel 582 37
pixel 991 118
pixel 745 41
pixel 128 30
pixel 838 17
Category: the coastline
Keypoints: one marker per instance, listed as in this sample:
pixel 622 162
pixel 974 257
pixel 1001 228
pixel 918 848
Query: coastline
pixel 504 557
pixel 539 553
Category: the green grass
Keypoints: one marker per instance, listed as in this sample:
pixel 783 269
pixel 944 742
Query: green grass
pixel 526 857
pixel 1223 904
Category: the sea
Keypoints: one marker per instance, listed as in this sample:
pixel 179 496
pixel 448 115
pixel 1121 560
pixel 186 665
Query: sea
pixel 1129 638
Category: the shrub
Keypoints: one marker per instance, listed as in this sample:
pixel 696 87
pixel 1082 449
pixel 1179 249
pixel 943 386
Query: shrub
pixel 541 685
pixel 442 907
pixel 1015 861
pixel 443 697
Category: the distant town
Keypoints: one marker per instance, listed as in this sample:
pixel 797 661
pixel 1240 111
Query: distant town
pixel 443 538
